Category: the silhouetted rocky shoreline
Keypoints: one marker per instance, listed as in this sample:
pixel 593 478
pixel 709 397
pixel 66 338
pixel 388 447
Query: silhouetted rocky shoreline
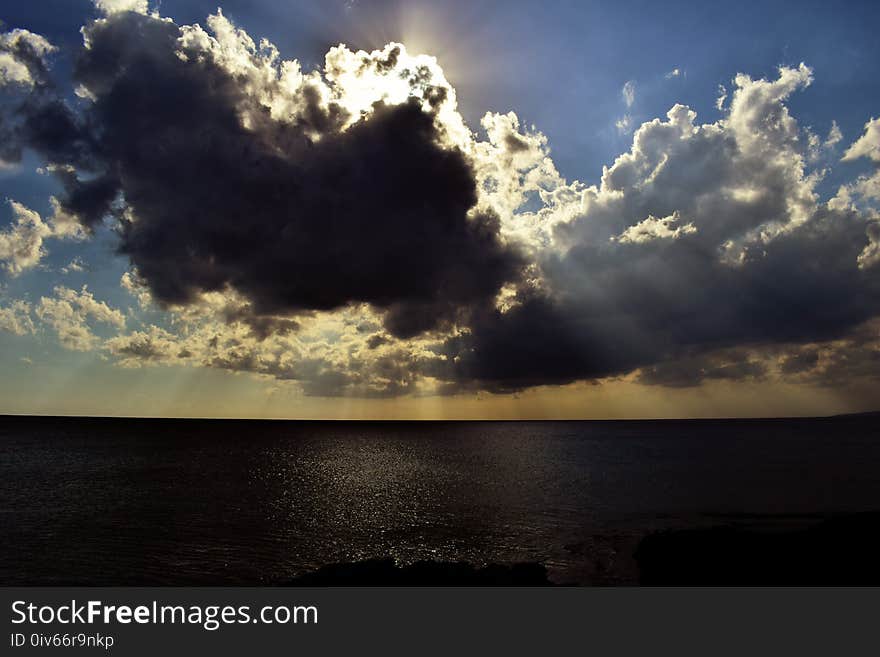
pixel 836 551
pixel 745 551
pixel 386 572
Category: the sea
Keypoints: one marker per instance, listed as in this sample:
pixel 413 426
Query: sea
pixel 106 501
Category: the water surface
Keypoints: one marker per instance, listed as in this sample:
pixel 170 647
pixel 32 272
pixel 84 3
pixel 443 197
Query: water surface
pixel 108 501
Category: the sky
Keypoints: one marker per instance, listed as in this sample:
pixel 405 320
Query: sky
pixel 374 209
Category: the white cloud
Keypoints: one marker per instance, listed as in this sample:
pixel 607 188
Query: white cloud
pixel 866 187
pixel 70 312
pixel 13 71
pixel 354 80
pixel 16 318
pixel 722 97
pixel 653 228
pixel 108 7
pixel 21 51
pixel 65 225
pixel 21 245
pixel 700 234
pixel 868 145
pixel 624 124
pixel 629 93
pixel 130 284
pixel 74 266
pixel 739 180
pixel 835 136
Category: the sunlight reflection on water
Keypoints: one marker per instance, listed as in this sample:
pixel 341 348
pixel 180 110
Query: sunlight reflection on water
pixel 211 502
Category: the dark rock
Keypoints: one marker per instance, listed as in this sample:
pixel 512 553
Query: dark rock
pixel 385 572
pixel 837 551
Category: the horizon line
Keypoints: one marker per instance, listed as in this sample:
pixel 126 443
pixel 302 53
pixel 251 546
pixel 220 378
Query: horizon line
pixel 376 420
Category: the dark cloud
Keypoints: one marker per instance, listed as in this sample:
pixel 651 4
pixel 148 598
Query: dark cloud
pixel 294 215
pixel 733 249
pixel 802 360
pixel 683 372
pixel 536 343
pixel 261 326
pixel 31 113
pixel 376 341
pixel 837 364
pixel 667 304
pixel 702 248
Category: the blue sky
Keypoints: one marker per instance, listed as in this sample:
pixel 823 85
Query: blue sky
pixel 561 66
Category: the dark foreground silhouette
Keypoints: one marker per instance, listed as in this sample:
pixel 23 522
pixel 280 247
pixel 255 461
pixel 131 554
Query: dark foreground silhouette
pixel 842 551
pixel 749 551
pixel 385 572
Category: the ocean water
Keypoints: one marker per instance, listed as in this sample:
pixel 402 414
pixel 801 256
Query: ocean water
pixel 109 501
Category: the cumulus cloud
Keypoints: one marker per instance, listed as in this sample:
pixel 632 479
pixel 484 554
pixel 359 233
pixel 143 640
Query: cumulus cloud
pixel 867 187
pixel 21 244
pixel 304 192
pixel 761 261
pixel 870 256
pixel 71 314
pixel 16 318
pixel 344 230
pixel 24 69
pixel 326 354
pixel 653 228
pixel 868 145
pixel 74 266
pixel 835 136
pixel 23 58
pixel 722 97
pixel 115 6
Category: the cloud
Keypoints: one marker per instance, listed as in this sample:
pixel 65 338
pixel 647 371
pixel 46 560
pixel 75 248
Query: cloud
pixel 139 347
pixel 722 97
pixel 624 124
pixel 24 69
pixel 629 93
pixel 868 145
pixel 69 314
pixel 109 7
pixel 343 230
pixel 866 187
pixel 21 245
pixel 16 318
pixel 835 136
pixel 762 262
pixel 327 354
pixel 23 58
pixel 291 198
pixel 653 228
pixel 74 266
pixel 687 371
pixel 870 256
